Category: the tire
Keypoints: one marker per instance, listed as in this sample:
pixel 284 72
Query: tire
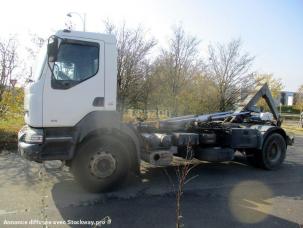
pixel 274 143
pixel 101 164
pixel 272 154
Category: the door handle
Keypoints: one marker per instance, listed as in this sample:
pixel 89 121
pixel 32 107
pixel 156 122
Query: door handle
pixel 98 102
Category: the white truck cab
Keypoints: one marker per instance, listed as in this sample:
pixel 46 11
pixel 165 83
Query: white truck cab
pixel 83 80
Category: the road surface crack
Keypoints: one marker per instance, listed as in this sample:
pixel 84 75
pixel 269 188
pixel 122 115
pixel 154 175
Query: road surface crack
pixel 43 194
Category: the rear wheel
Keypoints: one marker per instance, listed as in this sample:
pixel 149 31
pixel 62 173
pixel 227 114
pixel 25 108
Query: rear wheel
pixel 272 154
pixel 101 164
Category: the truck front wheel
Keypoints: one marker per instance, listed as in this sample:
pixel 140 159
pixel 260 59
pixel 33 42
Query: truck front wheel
pixel 100 164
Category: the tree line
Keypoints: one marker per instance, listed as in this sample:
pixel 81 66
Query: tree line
pixel 178 78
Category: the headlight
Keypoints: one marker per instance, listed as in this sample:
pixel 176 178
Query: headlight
pixel 33 135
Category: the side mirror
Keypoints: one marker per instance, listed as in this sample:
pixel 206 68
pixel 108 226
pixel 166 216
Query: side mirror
pixel 52 49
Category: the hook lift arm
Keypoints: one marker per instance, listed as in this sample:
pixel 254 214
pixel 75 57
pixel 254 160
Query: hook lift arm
pixel 265 93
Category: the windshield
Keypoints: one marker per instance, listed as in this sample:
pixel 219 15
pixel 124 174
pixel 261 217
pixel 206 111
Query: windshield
pixel 39 63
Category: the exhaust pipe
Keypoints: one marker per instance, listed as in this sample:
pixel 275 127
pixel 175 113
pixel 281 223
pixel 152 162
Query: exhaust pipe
pixel 158 158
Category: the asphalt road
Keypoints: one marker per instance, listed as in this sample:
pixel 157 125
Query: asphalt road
pixel 230 194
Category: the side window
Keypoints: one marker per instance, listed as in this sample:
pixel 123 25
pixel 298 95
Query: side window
pixel 75 63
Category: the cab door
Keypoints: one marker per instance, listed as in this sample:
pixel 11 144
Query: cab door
pixel 75 86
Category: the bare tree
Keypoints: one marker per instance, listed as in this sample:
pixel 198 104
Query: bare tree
pixel 299 99
pixel 147 86
pixel 182 173
pixel 8 62
pixel 177 64
pixel 228 68
pixel 36 44
pixel 299 103
pixel 33 49
pixel 133 49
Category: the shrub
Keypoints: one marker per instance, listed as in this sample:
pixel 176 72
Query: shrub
pixel 289 109
pixel 11 117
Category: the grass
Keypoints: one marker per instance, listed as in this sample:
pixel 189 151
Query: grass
pixel 293 129
pixel 8 132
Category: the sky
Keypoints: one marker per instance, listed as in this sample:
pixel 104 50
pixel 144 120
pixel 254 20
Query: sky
pixel 271 30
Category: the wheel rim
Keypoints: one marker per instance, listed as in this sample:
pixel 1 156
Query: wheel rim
pixel 274 152
pixel 102 164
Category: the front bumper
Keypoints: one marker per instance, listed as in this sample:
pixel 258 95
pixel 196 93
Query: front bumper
pixel 29 151
pixel 51 147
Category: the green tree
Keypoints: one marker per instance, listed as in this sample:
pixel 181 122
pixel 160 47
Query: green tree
pixel 199 96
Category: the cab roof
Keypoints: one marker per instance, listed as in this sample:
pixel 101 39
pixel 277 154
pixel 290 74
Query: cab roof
pixel 107 38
